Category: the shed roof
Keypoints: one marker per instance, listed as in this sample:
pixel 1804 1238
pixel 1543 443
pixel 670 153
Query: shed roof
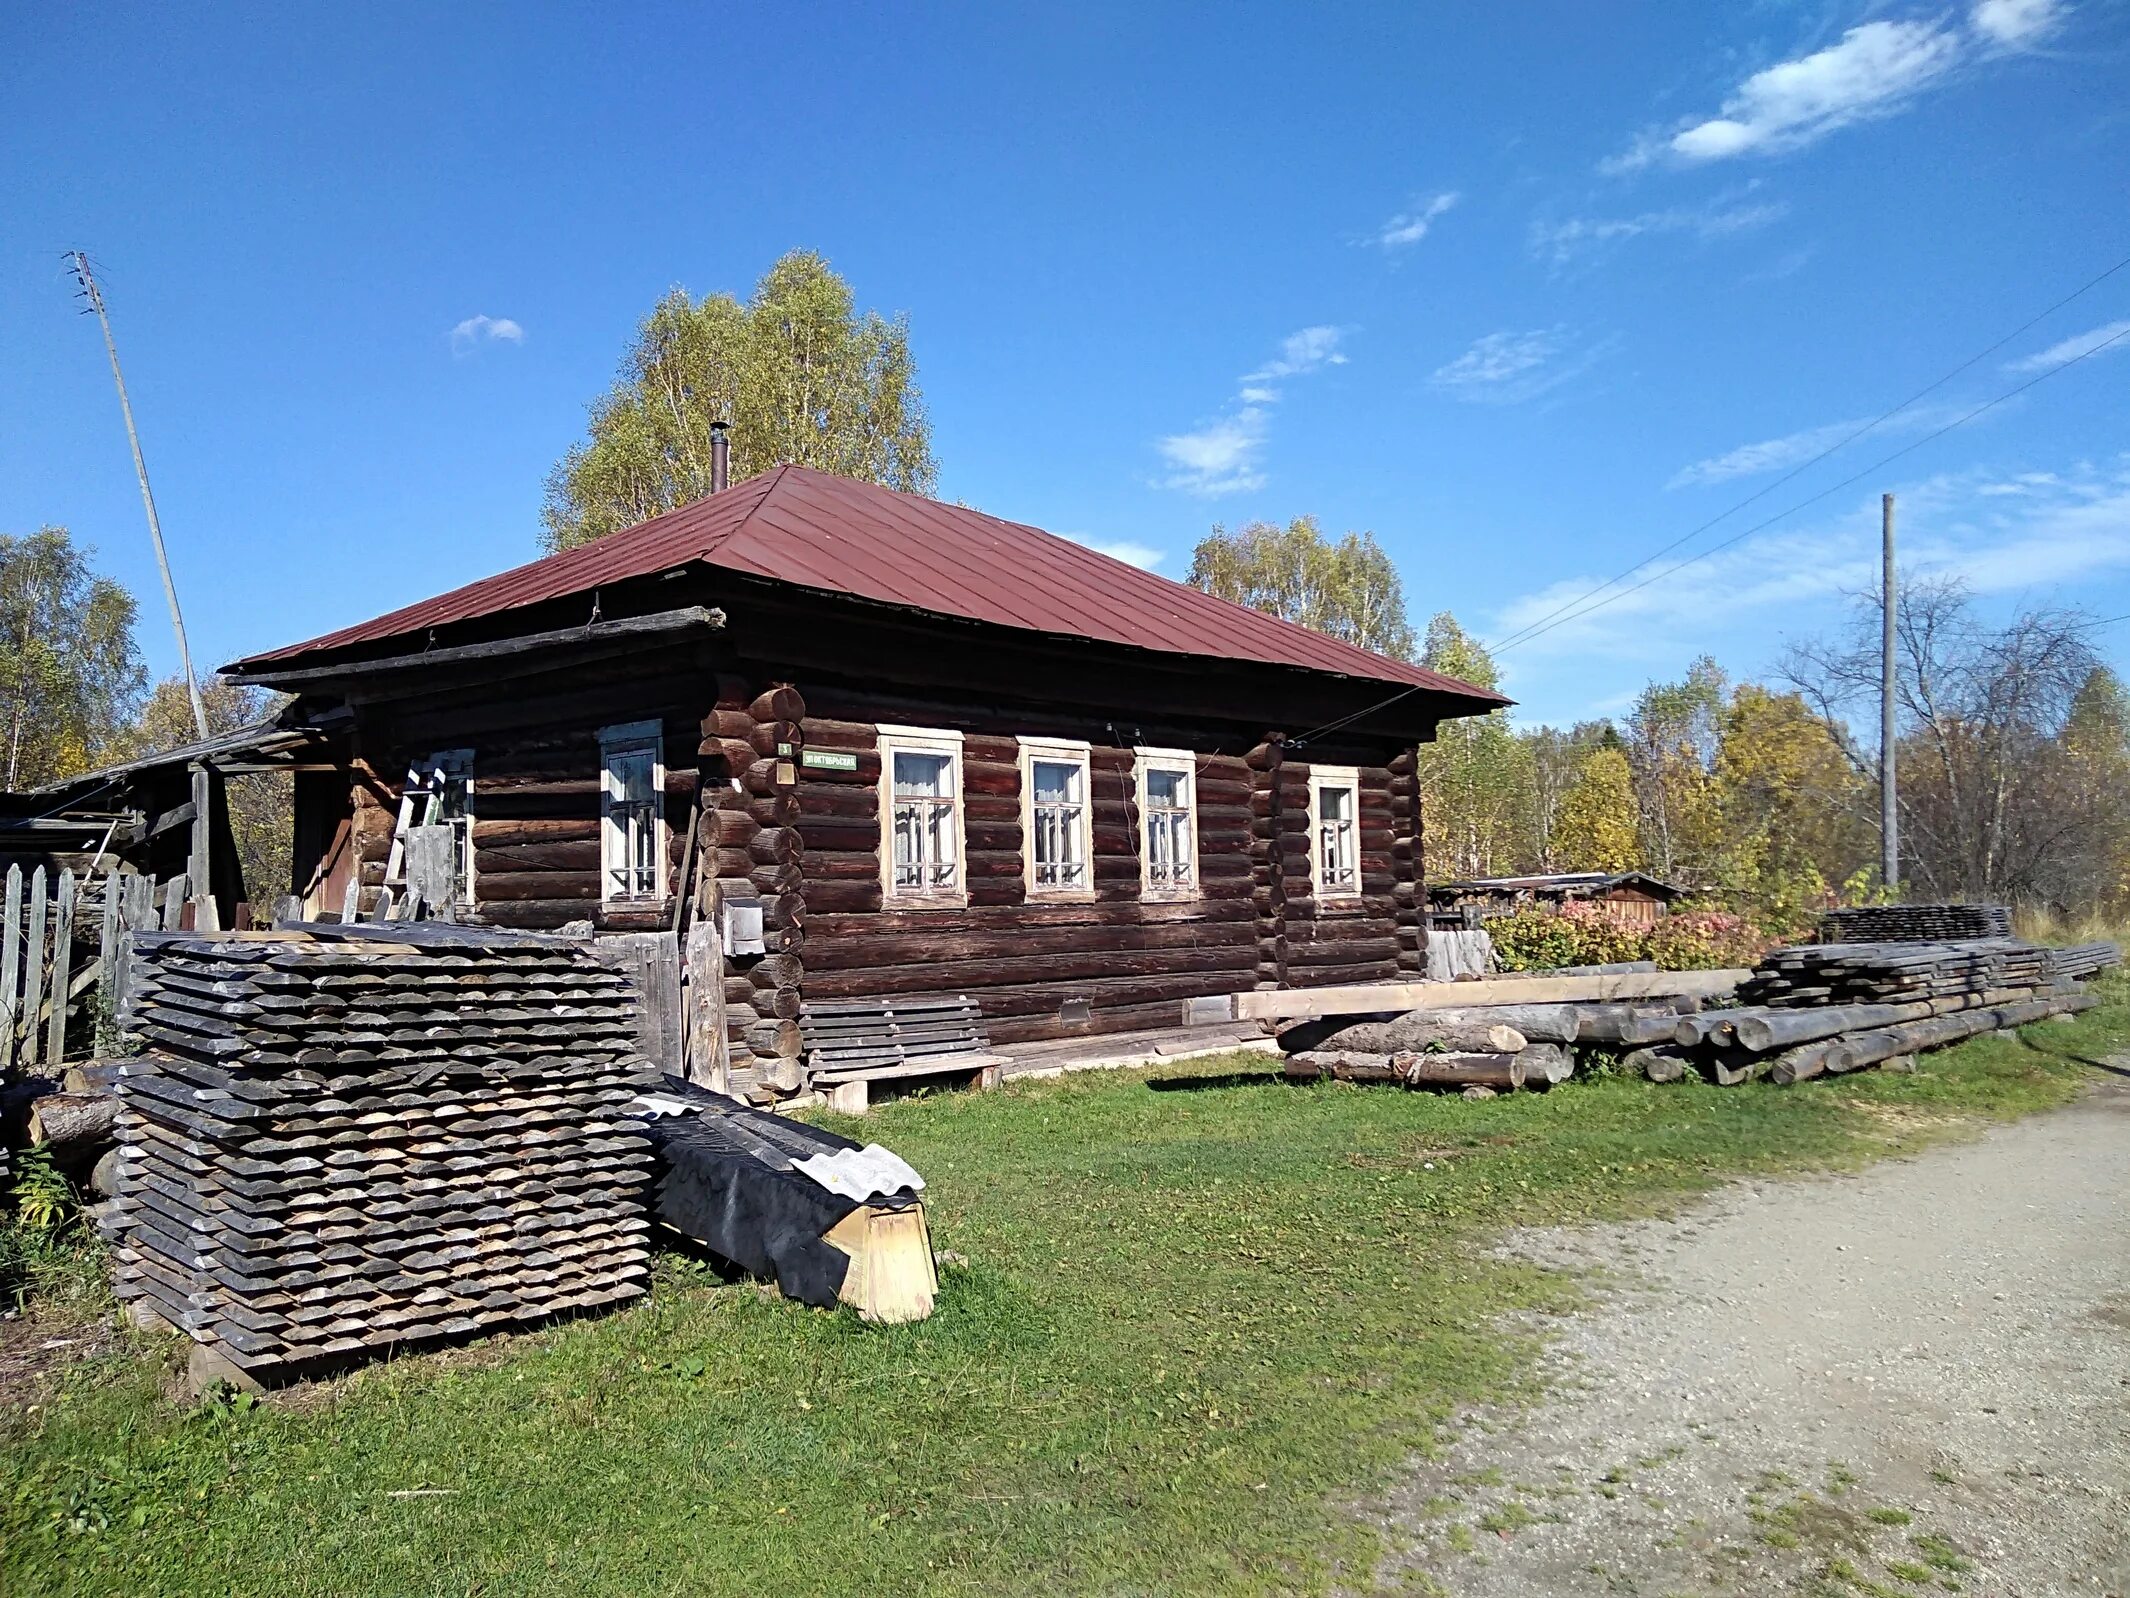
pixel 820 531
pixel 1564 882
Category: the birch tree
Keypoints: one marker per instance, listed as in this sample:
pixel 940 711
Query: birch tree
pixel 796 370
pixel 1347 589
pixel 70 672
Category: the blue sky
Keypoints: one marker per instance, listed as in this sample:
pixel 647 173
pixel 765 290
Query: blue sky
pixel 1529 291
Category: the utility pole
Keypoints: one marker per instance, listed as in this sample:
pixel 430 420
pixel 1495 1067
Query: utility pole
pixel 1889 808
pixel 94 296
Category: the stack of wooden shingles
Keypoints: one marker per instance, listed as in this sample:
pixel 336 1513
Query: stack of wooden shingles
pixel 1914 923
pixel 332 1146
pixel 1844 973
pixel 1835 1008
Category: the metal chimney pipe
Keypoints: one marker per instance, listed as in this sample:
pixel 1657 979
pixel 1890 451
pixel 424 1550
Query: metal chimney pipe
pixel 720 456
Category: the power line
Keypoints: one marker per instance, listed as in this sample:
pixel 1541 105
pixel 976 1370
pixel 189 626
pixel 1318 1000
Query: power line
pixel 1530 629
pixel 1847 482
pixel 1761 526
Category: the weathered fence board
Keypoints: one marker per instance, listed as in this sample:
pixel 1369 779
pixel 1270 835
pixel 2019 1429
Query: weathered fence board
pixel 61 942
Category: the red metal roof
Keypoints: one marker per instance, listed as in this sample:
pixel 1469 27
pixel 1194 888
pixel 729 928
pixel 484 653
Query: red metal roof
pixel 817 530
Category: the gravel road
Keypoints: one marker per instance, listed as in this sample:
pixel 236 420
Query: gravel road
pixel 1914 1379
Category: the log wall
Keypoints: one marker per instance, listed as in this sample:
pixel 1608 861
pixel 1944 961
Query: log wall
pixel 1131 958
pixel 1327 942
pixel 807 842
pixel 536 790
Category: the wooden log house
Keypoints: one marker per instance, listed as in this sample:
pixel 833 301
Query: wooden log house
pixel 936 753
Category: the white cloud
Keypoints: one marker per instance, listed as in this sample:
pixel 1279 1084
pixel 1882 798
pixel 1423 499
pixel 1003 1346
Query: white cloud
pixel 485 329
pixel 1410 227
pixel 1301 352
pixel 1507 368
pixel 2015 23
pixel 1773 454
pixel 2113 335
pixel 1225 455
pixel 1561 242
pixel 1219 458
pixel 2048 530
pixel 1130 551
pixel 1872 71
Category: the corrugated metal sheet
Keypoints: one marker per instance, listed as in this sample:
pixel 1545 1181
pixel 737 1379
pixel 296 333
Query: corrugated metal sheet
pixel 816 530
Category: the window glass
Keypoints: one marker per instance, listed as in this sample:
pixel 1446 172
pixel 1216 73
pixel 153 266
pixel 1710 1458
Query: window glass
pixel 1338 863
pixel 1168 829
pixel 925 858
pixel 631 831
pixel 1059 817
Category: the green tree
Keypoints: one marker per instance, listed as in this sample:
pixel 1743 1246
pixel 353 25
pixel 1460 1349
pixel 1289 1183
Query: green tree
pixel 1791 810
pixel 799 374
pixel 70 673
pixel 1349 589
pixel 1476 776
pixel 1597 831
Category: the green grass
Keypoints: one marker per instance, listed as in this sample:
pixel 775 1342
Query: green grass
pixel 1200 1326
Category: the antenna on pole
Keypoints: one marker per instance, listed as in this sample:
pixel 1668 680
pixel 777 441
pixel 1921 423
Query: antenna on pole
pixel 89 291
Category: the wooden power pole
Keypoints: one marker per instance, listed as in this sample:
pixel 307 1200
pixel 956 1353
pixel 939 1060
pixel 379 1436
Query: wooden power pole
pixel 1889 807
pixel 94 296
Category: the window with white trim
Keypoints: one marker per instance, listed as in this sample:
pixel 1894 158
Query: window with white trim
pixel 632 829
pixel 920 805
pixel 1168 821
pixel 1335 831
pixel 1057 819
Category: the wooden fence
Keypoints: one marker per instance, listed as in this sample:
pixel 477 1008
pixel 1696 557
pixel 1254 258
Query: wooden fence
pixel 59 944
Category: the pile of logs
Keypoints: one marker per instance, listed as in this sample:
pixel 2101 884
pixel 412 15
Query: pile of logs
pixel 1834 1008
pixel 1915 923
pixel 1500 1047
pixel 331 1146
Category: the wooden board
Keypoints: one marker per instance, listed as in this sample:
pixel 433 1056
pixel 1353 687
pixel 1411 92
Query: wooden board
pixel 1372 998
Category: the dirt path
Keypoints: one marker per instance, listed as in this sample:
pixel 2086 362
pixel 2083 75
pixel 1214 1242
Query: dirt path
pixel 1915 1379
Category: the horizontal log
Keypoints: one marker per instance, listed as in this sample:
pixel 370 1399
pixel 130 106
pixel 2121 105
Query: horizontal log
pixel 1659 1064
pixel 506 833
pixel 567 856
pixel 1369 999
pixel 73 1124
pixel 841 866
pixel 1413 1033
pixel 1068 973
pixel 845 952
pixel 980 918
pixel 536 885
pixel 1498 1071
pixel 781 702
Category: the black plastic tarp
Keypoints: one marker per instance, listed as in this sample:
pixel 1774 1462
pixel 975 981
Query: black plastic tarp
pixel 728 1183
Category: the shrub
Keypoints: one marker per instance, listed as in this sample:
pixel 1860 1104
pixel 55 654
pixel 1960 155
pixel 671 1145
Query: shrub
pixel 1587 934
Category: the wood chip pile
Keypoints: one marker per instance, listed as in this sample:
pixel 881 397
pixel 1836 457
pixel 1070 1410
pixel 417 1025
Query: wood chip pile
pixel 1823 1009
pixel 1915 923
pixel 333 1146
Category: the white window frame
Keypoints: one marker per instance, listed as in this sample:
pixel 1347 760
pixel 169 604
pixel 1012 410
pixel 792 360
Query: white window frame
pixel 1184 762
pixel 1321 778
pixel 922 741
pixel 1059 752
pixel 632 737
